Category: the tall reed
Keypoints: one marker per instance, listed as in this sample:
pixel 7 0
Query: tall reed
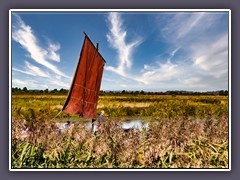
pixel 166 143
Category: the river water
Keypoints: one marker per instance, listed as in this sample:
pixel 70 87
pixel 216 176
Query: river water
pixel 130 124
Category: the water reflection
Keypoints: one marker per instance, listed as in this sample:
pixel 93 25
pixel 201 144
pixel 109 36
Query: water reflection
pixel 134 124
pixel 131 124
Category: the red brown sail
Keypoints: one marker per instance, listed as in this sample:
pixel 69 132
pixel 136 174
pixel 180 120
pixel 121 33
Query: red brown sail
pixel 84 91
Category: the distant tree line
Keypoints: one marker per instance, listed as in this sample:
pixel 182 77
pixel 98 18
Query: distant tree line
pixel 124 92
pixel 24 90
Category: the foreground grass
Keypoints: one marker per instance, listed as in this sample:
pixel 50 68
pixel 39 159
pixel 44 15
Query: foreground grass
pixel 167 143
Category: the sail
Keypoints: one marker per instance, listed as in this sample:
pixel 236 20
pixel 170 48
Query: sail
pixel 84 91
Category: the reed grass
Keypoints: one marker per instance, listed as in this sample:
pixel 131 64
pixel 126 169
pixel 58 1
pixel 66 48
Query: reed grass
pixel 168 143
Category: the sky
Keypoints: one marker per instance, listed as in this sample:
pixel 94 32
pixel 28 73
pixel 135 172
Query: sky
pixel 149 51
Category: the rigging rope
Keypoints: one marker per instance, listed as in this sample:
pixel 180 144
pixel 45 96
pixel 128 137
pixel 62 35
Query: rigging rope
pixel 56 115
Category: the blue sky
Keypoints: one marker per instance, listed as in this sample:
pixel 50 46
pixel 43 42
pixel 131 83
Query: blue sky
pixel 150 51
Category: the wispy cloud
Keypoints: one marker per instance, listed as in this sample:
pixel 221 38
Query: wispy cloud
pixel 213 58
pixel 31 70
pixel 172 53
pixel 40 83
pixel 29 83
pixel 19 82
pixel 150 74
pixel 24 35
pixel 57 82
pixel 196 55
pixel 190 24
pixel 195 82
pixel 117 39
pixel 186 27
pixel 52 49
pixel 159 72
pixel 204 45
pixel 46 75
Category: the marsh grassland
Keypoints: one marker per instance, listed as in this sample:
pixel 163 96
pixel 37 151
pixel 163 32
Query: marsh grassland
pixel 184 131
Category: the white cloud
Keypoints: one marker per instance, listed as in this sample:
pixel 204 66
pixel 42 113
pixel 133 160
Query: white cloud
pixel 174 52
pixel 194 82
pixel 124 85
pixel 17 82
pixel 29 83
pixel 22 71
pixel 52 55
pixel 55 82
pixel 117 39
pixel 40 83
pixel 24 35
pixel 46 75
pixel 31 70
pixel 196 55
pixel 205 45
pixel 190 23
pixel 159 73
pixel 213 58
pixel 150 74
pixel 186 27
